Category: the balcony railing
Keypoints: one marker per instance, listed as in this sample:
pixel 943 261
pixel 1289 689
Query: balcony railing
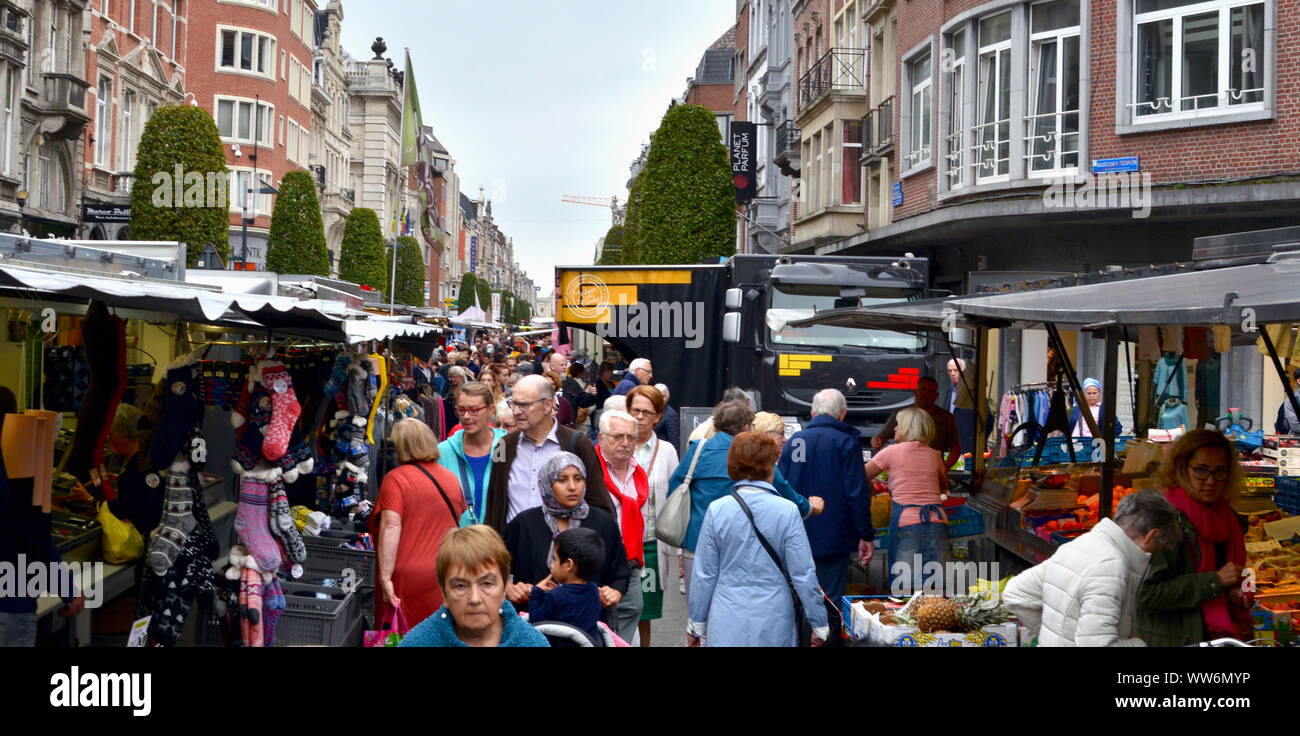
pixel 878 130
pixel 840 70
pixel 787 138
pixel 1053 141
pixel 65 92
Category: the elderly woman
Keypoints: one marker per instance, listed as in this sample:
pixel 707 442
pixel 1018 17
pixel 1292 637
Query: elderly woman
pixel 712 479
pixel 918 528
pixel 1092 394
pixel 659 459
pixel 529 536
pixel 418 502
pixel 472 568
pixel 739 595
pixel 770 424
pixel 1193 589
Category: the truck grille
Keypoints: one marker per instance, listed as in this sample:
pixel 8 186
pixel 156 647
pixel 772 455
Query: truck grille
pixel 865 400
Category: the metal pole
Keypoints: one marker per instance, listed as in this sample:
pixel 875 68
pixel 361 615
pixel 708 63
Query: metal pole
pixel 392 285
pixel 1110 376
pixel 1281 372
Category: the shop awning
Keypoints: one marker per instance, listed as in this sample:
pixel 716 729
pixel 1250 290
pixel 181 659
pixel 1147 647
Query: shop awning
pixel 378 329
pixel 924 315
pixel 1203 297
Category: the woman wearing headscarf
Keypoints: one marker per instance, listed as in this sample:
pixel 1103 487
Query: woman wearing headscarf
pixel 1092 394
pixel 1193 589
pixel 530 535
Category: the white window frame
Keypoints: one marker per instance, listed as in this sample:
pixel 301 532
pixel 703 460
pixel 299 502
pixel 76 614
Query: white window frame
pixel 922 155
pixel 131 15
pixel 177 8
pixel 271 6
pixel 127 134
pixel 999 51
pixel 153 25
pixel 1225 93
pixel 240 179
pixel 954 151
pixel 1057 138
pixel 292 147
pixel 240 32
pixel 850 155
pixel 103 119
pixel 10 88
pixel 269 129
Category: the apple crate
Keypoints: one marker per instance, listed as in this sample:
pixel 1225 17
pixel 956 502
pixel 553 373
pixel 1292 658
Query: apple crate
pixel 329 557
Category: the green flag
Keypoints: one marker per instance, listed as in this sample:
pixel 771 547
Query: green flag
pixel 411 122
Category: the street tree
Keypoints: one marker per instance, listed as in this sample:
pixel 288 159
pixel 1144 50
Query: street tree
pixel 410 271
pixel 296 243
pixel 468 290
pixel 361 256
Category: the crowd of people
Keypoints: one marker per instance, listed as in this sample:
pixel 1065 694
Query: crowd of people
pixel 543 500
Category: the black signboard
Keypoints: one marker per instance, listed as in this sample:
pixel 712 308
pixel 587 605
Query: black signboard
pixel 744 141
pixel 105 212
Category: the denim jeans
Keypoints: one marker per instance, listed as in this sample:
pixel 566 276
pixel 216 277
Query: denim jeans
pixel 18 629
pixel 911 548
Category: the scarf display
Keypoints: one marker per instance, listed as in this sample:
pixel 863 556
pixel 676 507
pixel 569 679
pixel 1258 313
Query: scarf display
pixel 633 526
pixel 1215 523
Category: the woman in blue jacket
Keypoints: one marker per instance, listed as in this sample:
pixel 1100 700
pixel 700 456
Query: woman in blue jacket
pixel 712 481
pixel 468 453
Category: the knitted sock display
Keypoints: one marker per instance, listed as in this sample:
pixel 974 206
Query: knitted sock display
pixel 105 341
pixel 282 525
pixel 167 598
pixel 285 411
pixel 249 437
pixel 338 375
pixel 177 523
pixel 358 380
pixel 273 606
pixel 250 605
pixel 181 413
pixel 253 526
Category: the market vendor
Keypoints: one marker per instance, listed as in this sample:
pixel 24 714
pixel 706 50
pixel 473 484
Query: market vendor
pixel 945 437
pixel 1193 590
pixel 139 489
pixel 1092 394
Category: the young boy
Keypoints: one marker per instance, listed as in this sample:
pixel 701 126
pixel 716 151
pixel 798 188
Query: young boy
pixel 568 595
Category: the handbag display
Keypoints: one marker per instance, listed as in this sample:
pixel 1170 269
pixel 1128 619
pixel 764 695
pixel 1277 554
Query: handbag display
pixel 803 629
pixel 674 517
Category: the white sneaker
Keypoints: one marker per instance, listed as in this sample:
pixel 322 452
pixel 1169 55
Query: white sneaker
pixel 681 586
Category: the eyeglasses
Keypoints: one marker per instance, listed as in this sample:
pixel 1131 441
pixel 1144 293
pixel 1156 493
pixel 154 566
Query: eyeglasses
pixel 622 439
pixel 522 405
pixel 470 411
pixel 1201 472
pixel 642 412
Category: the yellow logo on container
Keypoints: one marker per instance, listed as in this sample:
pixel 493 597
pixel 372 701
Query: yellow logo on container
pixel 793 364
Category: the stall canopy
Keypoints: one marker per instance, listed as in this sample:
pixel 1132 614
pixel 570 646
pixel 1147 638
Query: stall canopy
pixel 1200 297
pixel 924 315
pixel 374 329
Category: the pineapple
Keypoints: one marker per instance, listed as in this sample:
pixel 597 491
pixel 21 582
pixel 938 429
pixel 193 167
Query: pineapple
pixel 977 611
pixel 940 614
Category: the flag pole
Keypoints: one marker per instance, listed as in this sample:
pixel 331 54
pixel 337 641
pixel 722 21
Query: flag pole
pixel 401 179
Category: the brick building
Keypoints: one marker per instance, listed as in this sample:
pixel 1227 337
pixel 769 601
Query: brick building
pixel 249 63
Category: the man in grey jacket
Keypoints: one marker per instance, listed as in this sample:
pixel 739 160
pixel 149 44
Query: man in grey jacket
pixel 1084 595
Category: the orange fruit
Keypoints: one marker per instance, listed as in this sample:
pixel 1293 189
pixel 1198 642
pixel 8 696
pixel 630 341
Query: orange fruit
pixel 1082 500
pixel 1052 525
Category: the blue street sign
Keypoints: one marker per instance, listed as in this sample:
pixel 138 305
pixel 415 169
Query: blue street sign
pixel 1115 165
pixel 897 199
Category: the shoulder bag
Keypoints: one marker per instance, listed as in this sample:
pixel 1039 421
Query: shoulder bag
pixel 465 518
pixel 803 630
pixel 674 518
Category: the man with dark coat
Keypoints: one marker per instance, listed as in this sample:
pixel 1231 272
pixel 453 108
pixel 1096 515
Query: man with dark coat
pixel 825 459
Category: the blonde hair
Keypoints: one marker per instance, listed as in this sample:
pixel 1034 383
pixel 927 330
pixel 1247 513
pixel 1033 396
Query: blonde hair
pixel 413 440
pixel 471 549
pixel 914 425
pixel 1173 471
pixel 766 421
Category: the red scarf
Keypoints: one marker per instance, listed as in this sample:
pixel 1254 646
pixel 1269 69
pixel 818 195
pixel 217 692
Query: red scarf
pixel 633 526
pixel 1215 523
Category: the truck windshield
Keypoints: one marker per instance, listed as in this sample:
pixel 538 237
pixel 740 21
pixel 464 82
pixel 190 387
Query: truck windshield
pixel 819 297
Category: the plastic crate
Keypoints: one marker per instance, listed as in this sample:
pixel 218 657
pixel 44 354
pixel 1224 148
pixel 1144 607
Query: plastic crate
pixel 963 521
pixel 1287 484
pixel 1068 535
pixel 327 557
pixel 312 621
pixel 1289 505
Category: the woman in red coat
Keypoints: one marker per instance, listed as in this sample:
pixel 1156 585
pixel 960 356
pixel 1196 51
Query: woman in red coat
pixel 418 503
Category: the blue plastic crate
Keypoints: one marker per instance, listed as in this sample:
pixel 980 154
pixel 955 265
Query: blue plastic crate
pixel 963 521
pixel 1287 484
pixel 1288 505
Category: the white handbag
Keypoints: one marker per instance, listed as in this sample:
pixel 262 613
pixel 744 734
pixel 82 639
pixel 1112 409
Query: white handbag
pixel 674 517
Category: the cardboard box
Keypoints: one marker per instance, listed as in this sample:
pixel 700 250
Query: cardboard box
pixel 860 624
pixel 1273 624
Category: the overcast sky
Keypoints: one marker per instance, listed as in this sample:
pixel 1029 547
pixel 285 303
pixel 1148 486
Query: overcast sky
pixel 539 98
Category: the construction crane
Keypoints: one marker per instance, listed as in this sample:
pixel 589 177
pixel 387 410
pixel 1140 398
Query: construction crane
pixel 616 212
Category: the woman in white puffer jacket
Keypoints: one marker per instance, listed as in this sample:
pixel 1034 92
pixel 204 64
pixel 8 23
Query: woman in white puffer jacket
pixel 1084 595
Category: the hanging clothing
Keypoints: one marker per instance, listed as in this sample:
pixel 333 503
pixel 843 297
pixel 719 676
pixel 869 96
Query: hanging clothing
pixel 1170 378
pixel 1173 417
pixel 1208 388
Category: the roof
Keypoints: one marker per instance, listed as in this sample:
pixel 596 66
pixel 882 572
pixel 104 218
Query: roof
pixel 467 209
pixel 435 144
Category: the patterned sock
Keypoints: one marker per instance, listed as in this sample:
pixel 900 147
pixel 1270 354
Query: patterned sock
pixel 180 414
pixel 338 375
pixel 285 411
pixel 250 607
pixel 252 524
pixel 178 521
pixel 273 605
pixel 282 525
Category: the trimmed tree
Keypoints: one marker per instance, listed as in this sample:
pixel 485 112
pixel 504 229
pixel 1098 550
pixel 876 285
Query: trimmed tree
pixel 484 296
pixel 297 240
pixel 687 211
pixel 612 252
pixel 361 256
pixel 631 237
pixel 181 140
pixel 468 288
pixel 410 271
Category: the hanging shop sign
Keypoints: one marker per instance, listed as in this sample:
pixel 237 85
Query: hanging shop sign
pixel 119 213
pixel 743 136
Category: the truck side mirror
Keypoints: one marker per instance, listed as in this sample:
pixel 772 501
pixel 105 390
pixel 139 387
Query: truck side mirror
pixel 733 298
pixel 731 327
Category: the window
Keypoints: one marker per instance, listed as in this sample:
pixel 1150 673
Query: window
pixel 131 14
pixel 1053 122
pixel 43 175
pixel 241 181
pixel 291 149
pixel 8 130
pixel 1191 57
pixel 954 150
pixel 236 122
pixel 103 124
pixel 993 133
pixel 177 8
pixel 295 16
pixel 246 51
pixel 153 25
pixel 851 157
pixel 127 134
pixel 920 107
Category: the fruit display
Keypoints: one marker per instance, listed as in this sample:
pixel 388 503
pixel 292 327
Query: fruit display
pixel 1276 570
pixel 936 615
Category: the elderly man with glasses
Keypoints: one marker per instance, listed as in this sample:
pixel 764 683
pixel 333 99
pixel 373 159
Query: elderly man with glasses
pixel 518 460
pixel 629 488
pixel 639 373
